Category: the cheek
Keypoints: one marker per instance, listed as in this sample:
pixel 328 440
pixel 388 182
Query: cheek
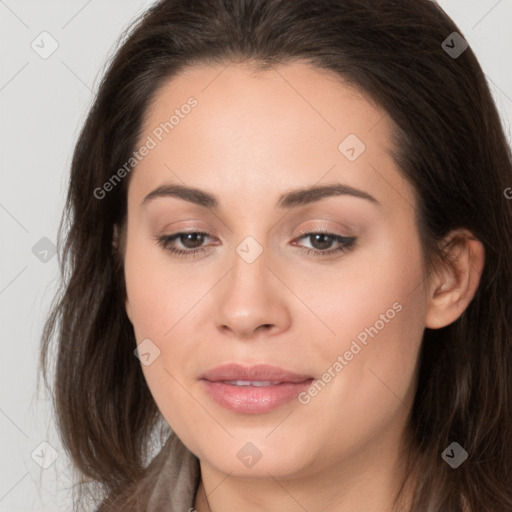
pixel 158 293
pixel 372 294
pixel 158 300
pixel 379 321
pixel 379 328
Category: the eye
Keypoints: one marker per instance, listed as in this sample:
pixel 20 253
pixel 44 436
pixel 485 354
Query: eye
pixel 192 242
pixel 322 243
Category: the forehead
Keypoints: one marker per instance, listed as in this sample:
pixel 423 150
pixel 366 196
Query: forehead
pixel 263 131
pixel 276 96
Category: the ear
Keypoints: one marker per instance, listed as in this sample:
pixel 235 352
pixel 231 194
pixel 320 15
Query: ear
pixel 456 280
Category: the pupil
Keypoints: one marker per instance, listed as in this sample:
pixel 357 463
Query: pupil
pixel 189 237
pixel 325 240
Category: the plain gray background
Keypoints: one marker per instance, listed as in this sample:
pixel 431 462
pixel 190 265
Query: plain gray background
pixel 44 102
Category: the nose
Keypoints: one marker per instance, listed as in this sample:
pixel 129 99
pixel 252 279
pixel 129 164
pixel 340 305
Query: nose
pixel 252 300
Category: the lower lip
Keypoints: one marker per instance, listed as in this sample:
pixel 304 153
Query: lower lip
pixel 252 399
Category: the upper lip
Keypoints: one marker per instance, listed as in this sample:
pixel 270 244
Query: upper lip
pixel 258 372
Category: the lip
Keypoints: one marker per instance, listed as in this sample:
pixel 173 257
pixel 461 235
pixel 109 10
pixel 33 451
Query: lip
pixel 262 372
pixel 249 399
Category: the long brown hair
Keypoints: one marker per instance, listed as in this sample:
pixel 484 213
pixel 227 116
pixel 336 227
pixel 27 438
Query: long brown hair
pixel 452 150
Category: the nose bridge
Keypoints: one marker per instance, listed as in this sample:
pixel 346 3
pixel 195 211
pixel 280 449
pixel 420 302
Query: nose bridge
pixel 249 298
pixel 249 275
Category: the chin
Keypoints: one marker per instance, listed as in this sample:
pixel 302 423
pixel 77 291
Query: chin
pixel 254 459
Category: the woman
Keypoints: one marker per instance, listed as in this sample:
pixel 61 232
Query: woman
pixel 288 268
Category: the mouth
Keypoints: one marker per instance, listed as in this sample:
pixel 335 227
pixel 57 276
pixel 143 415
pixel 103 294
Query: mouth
pixel 253 389
pixel 255 383
pixel 262 373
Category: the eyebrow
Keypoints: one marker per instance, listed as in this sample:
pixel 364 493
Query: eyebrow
pixel 293 199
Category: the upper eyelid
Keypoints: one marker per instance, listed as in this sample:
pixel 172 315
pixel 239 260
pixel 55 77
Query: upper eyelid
pixel 301 232
pixel 320 229
pixel 327 231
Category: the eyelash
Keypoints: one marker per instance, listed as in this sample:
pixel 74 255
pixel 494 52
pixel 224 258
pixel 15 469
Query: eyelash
pixel 349 244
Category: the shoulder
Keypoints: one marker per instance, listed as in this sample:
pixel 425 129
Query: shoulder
pixel 170 482
pixel 177 479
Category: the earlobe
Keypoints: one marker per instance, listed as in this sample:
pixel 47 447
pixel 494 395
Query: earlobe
pixel 456 281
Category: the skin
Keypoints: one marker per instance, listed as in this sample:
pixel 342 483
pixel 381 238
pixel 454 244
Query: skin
pixel 252 137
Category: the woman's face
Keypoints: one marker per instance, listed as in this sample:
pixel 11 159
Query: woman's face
pixel 349 320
